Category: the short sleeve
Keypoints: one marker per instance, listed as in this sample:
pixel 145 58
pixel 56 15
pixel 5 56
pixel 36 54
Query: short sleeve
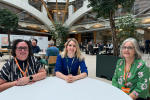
pixel 83 67
pixel 58 65
pixel 115 77
pixel 5 71
pixel 141 89
pixel 47 53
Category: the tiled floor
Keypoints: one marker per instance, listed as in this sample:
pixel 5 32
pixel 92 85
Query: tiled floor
pixel 90 61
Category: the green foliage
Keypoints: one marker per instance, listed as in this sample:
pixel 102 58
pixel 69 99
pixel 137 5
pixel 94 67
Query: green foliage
pixel 128 26
pixel 60 31
pixel 8 20
pixel 103 7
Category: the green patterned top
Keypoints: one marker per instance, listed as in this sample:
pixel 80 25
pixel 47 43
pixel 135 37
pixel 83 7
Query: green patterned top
pixel 137 80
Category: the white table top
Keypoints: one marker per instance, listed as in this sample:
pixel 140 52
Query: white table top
pixel 95 47
pixel 53 88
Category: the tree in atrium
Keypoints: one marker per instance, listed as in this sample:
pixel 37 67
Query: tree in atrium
pixel 127 27
pixel 106 9
pixel 8 22
pixel 60 33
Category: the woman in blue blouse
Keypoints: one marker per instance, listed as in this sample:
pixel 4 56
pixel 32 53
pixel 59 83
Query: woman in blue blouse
pixel 68 62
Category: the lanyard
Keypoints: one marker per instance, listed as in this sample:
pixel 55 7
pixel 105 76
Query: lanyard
pixel 24 73
pixel 125 76
pixel 69 71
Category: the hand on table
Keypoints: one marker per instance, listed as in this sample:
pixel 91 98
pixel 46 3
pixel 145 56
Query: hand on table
pixel 70 78
pixel 23 81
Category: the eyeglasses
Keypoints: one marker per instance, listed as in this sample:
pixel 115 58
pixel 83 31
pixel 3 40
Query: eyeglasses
pixel 129 48
pixel 20 48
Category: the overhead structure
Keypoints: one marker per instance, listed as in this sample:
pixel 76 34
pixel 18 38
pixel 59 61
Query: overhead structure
pixel 65 12
pixel 49 15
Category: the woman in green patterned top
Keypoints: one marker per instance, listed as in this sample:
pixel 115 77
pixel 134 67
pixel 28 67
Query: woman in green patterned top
pixel 132 73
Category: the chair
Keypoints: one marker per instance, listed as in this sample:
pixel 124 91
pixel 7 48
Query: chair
pixel 79 71
pixel 51 65
pixel 4 51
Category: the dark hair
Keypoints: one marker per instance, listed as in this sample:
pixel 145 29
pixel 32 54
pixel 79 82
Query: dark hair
pixel 15 42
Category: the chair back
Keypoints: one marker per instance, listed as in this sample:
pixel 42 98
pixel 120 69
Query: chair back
pixel 52 59
pixel 2 50
pixel 79 71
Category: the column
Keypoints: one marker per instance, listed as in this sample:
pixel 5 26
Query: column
pixel 79 37
pixel 43 10
pixel 70 10
pixel 26 1
pixel 94 36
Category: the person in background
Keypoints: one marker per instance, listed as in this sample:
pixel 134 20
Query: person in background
pixel 81 46
pixel 147 45
pixel 87 51
pixel 132 73
pixel 101 47
pixel 68 63
pixel 30 40
pixel 97 45
pixel 22 69
pixel 51 51
pixel 90 48
pixel 35 48
pixel 35 40
pixel 107 46
pixel 110 48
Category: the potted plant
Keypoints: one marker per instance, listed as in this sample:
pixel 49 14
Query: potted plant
pixel 8 22
pixel 60 33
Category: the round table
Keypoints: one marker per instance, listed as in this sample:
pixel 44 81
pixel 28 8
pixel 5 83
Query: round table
pixel 42 55
pixel 53 88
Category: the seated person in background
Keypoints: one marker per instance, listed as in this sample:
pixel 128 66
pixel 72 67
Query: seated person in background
pixel 90 48
pixel 22 69
pixel 86 50
pixel 101 47
pixel 68 63
pixel 107 46
pixel 132 73
pixel 110 48
pixel 51 51
pixel 35 48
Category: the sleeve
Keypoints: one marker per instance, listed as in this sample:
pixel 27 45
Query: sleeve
pixel 47 53
pixel 4 72
pixel 141 89
pixel 38 65
pixel 115 77
pixel 58 65
pixel 83 67
pixel 39 50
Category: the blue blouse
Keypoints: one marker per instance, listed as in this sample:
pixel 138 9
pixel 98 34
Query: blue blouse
pixel 61 65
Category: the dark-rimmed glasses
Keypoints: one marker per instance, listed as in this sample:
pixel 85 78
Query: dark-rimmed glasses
pixel 20 48
pixel 128 48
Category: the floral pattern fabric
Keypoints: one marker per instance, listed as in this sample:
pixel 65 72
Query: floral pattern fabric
pixel 137 80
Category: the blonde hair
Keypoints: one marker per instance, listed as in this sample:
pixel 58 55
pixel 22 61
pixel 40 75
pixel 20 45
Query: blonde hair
pixel 77 53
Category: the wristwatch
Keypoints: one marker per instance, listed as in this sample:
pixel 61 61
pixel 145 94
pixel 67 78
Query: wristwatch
pixel 30 78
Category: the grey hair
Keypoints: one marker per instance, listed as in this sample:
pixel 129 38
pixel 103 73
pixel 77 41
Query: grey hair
pixel 138 54
pixel 51 42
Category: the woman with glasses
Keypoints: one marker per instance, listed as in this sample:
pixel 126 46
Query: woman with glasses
pixel 68 62
pixel 22 69
pixel 132 73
